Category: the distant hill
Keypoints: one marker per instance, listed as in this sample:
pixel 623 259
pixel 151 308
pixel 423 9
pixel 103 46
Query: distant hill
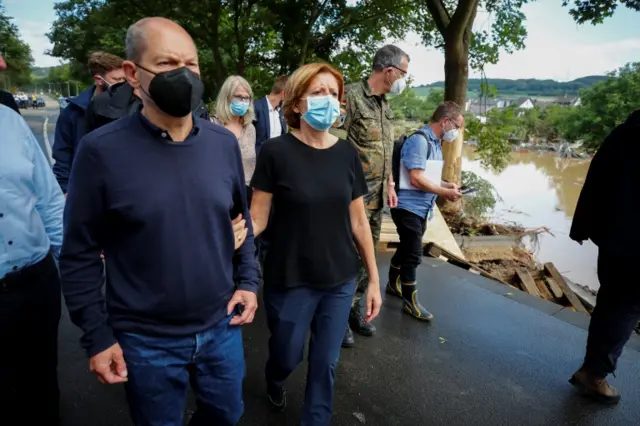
pixel 525 87
pixel 40 72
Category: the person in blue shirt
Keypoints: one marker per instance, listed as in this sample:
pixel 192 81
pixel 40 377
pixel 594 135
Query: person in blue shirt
pixel 106 70
pixel 156 191
pixel 416 197
pixel 31 207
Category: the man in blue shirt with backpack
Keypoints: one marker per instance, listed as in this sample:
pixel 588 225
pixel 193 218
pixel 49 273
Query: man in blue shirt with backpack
pixel 416 197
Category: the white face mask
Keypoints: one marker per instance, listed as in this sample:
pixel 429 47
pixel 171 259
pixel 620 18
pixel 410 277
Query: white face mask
pixel 450 135
pixel 398 86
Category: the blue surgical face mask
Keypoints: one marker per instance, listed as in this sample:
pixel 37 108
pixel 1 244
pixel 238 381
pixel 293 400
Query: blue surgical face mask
pixel 239 108
pixel 322 112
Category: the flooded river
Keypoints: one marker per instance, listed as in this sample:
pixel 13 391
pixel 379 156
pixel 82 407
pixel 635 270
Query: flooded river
pixel 539 189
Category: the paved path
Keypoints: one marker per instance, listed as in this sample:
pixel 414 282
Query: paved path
pixel 486 360
pixel 42 123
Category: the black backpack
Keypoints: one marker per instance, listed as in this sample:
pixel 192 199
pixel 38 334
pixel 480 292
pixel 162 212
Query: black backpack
pixel 397 153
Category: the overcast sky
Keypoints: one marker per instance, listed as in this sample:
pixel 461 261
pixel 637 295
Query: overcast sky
pixel 556 48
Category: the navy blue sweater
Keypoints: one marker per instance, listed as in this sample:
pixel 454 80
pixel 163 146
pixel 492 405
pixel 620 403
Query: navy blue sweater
pixel 162 212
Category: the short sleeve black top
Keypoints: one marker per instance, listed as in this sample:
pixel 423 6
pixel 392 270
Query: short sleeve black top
pixel 310 237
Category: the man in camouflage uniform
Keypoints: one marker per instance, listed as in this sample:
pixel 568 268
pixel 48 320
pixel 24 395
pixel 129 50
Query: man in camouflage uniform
pixel 369 127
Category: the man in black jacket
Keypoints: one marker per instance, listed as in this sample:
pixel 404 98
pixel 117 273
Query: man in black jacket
pixel 614 177
pixel 118 101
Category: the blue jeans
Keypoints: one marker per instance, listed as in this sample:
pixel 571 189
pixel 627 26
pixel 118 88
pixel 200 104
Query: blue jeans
pixel 290 314
pixel 161 368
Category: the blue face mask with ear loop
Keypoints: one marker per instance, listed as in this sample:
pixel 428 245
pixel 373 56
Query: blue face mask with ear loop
pixel 239 108
pixel 322 112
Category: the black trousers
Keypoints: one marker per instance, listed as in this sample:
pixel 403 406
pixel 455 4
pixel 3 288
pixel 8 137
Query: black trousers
pixel 30 303
pixel 408 256
pixel 616 313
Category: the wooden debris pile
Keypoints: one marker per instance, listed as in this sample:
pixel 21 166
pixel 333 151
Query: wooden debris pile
pixel 546 283
pixel 549 284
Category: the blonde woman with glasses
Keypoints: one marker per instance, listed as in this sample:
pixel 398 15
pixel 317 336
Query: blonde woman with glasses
pixel 234 111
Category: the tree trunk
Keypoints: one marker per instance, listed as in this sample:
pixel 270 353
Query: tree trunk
pixel 456 72
pixel 456 76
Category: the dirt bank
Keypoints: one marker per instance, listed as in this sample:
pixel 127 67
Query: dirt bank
pixel 465 225
pixel 500 260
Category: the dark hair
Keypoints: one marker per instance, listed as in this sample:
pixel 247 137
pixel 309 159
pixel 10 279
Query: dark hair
pixel 388 56
pixel 279 84
pixel 102 62
pixel 447 109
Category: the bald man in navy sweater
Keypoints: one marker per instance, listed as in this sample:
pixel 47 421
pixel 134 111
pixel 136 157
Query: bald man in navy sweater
pixel 157 191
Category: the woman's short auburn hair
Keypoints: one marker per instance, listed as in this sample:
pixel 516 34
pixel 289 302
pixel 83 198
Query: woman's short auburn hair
pixel 298 84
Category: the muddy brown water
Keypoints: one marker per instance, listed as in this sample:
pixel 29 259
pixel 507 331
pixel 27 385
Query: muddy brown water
pixel 540 189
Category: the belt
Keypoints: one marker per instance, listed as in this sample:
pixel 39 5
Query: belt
pixel 26 274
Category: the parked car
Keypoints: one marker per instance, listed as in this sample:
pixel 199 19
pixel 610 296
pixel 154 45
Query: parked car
pixel 22 100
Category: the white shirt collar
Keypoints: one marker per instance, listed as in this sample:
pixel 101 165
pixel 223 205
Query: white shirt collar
pixel 271 107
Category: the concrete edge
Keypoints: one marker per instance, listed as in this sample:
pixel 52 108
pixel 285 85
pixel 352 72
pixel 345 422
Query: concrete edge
pixel 562 313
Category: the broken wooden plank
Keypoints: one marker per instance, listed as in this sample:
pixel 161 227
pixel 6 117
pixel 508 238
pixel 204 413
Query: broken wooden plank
pixel 528 283
pixel 434 250
pixel 554 287
pixel 544 290
pixel 571 296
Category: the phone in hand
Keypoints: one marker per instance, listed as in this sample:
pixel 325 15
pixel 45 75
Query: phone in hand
pixel 464 190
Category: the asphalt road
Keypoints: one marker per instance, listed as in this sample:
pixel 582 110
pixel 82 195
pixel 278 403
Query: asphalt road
pixel 42 123
pixel 485 360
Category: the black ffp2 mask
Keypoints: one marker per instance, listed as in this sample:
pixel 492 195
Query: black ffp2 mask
pixel 177 92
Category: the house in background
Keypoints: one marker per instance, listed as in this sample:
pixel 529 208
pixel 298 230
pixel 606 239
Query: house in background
pixel 480 106
pixel 572 101
pixel 523 103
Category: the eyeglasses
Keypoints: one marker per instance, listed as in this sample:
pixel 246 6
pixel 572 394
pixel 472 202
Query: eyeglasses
pixel 241 98
pixel 455 125
pixel 399 69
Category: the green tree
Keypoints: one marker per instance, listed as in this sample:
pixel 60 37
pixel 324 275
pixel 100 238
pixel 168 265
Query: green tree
pixel 410 106
pixel 450 27
pixel 595 11
pixel 257 39
pixel 16 53
pixel 605 105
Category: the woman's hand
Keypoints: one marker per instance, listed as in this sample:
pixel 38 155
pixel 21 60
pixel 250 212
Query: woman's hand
pixel 240 230
pixel 374 300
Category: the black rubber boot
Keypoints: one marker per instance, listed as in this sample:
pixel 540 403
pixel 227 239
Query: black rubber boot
pixel 358 324
pixel 412 305
pixel 348 341
pixel 393 285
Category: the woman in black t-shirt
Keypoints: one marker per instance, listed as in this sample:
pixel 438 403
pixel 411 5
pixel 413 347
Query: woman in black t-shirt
pixel 316 185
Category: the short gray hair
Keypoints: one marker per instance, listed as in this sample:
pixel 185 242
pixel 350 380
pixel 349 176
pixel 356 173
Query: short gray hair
pixel 388 56
pixel 135 43
pixel 223 102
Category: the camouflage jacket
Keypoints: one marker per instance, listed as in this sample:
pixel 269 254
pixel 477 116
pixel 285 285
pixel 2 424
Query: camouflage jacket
pixel 370 129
